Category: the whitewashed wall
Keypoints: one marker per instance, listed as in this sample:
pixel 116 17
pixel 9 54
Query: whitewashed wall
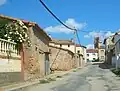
pixel 91 56
pixel 10 60
pixel 70 47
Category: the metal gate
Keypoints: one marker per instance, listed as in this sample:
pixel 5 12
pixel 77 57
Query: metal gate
pixel 47 64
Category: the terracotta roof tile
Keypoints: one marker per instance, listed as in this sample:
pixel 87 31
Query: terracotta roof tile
pixel 26 22
pixel 92 51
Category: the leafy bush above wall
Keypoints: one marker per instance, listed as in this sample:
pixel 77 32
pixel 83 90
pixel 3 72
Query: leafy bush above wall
pixel 15 31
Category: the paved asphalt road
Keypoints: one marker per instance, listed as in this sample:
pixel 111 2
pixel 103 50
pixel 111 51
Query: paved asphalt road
pixel 91 78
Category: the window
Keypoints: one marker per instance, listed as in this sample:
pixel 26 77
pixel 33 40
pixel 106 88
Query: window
pixel 36 48
pixel 93 54
pixel 93 58
pixel 78 51
pixel 102 57
pixel 87 60
pixel 60 45
pixel 87 54
pixel 68 45
pixel 102 51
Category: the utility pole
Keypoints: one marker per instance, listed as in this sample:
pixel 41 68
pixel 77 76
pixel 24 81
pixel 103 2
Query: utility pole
pixel 75 45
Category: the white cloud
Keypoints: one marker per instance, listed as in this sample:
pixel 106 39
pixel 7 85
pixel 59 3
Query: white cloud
pixel 61 29
pixel 2 2
pixel 90 46
pixel 100 34
pixel 86 36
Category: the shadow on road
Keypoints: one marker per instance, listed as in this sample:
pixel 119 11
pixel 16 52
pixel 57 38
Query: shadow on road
pixel 103 65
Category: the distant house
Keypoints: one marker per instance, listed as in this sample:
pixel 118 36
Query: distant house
pixel 98 45
pixel 116 41
pixel 101 54
pixel 92 55
pixel 66 44
pixel 81 51
pixel 34 59
pixel 109 49
pixel 69 45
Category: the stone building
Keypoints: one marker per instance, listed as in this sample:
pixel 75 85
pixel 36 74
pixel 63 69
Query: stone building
pixel 61 59
pixel 109 48
pixel 34 59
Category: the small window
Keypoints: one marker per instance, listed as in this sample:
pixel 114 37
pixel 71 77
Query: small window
pixel 87 60
pixel 50 50
pixel 102 57
pixel 102 50
pixel 36 48
pixel 93 58
pixel 93 54
pixel 68 45
pixel 60 45
pixel 78 51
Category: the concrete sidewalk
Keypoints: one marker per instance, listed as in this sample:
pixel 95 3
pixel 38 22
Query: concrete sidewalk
pixel 33 82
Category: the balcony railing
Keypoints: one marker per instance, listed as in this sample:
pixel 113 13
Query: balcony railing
pixel 8 48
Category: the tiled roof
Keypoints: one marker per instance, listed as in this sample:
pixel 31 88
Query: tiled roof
pixel 92 51
pixel 66 42
pixel 78 45
pixel 26 22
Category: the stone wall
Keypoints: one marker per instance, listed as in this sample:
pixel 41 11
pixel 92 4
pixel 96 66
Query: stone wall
pixel 34 56
pixel 61 59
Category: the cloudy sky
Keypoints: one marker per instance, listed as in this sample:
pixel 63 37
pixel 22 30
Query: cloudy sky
pixel 97 17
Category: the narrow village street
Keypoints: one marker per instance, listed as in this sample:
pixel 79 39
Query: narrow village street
pixel 94 77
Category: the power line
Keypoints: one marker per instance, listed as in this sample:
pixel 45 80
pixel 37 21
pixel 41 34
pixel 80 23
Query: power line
pixel 55 16
pixel 61 21
pixel 78 37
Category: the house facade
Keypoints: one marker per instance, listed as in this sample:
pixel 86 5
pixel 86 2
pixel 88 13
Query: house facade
pixel 81 51
pixel 109 49
pixel 92 55
pixel 33 61
pixel 98 45
pixel 116 40
pixel 101 54
pixel 65 44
